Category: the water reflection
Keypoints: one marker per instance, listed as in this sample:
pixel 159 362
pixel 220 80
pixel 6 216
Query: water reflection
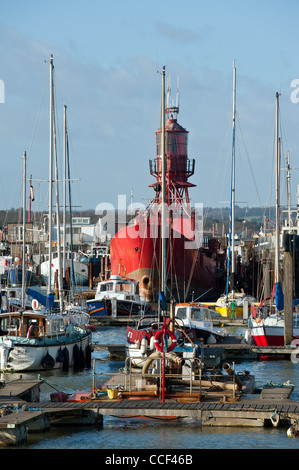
pixel 155 434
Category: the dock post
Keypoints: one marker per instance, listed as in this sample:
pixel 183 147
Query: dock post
pixel 245 309
pixel 288 297
pixel 13 434
pixel 113 308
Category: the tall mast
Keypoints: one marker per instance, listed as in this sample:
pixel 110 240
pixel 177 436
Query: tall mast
pixel 233 179
pixel 57 219
pixel 24 232
pixel 288 190
pixel 277 202
pixel 30 199
pixel 64 194
pixel 50 173
pixel 164 264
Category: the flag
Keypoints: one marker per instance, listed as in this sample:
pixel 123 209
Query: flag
pixel 31 193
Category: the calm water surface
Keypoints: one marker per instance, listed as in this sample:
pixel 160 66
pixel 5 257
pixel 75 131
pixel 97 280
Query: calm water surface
pixel 120 433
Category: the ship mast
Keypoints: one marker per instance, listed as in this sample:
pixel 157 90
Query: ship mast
pixel 51 174
pixel 24 234
pixel 233 182
pixel 164 261
pixel 277 204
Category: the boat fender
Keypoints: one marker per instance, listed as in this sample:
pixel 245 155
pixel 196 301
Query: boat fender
pixel 275 419
pixel 81 359
pixel 48 362
pixel 211 340
pixel 293 431
pixel 59 357
pixel 143 345
pixel 88 357
pixel 76 358
pixel 66 359
pixel 247 336
pixel 152 342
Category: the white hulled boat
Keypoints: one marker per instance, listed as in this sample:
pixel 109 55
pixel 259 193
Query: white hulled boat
pixel 117 296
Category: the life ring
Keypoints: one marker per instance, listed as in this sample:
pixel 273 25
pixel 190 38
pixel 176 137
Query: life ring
pixel 158 341
pixel 35 304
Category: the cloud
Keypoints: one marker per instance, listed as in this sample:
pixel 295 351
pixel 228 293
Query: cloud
pixel 180 35
pixel 113 113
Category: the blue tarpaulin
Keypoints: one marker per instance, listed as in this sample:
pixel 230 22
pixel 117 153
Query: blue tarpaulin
pixel 279 298
pixel 163 302
pixel 45 300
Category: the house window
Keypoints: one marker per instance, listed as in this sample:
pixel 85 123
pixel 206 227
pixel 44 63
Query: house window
pixel 18 233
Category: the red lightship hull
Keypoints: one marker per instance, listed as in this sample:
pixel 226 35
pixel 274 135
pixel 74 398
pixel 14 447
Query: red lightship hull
pixel 137 254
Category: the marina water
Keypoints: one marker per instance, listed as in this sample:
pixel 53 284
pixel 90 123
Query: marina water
pixel 133 433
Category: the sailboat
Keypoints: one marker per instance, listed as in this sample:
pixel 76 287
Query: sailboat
pixel 44 337
pixel 79 272
pixel 230 304
pixel 267 326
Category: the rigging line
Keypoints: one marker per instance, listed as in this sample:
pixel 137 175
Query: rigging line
pixel 173 267
pixel 247 155
pixel 75 167
pixel 13 192
pixel 37 117
pixel 272 176
pixel 218 167
pixel 56 108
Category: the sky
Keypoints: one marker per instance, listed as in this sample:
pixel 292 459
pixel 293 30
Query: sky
pixel 108 59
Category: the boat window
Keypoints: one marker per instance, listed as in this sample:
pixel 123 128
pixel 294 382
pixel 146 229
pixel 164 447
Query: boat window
pixel 196 314
pixel 207 316
pixel 7 322
pixel 57 326
pixel 123 287
pixel 181 313
pixel 107 287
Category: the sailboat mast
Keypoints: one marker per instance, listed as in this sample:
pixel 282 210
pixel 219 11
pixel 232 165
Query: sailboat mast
pixel 233 181
pixel 58 220
pixel 24 232
pixel 288 190
pixel 277 202
pixel 64 195
pixel 50 174
pixel 164 264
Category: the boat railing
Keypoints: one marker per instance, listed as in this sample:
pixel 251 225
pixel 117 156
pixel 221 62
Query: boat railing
pixel 200 382
pixel 12 330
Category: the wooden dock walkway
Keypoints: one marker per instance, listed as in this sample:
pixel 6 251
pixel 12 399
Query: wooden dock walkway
pixel 250 412
pixel 19 416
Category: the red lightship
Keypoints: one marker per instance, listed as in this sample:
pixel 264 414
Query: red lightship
pixel 136 249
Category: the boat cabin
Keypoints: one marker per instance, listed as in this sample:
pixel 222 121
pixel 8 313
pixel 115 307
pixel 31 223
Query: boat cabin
pixel 31 324
pixel 117 286
pixel 193 313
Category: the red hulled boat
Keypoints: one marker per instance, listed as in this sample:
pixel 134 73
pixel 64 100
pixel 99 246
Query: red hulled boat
pixel 192 267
